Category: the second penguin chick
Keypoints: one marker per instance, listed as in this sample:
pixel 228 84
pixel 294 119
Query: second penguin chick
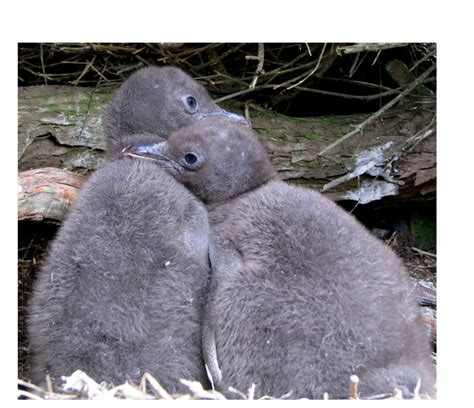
pixel 302 295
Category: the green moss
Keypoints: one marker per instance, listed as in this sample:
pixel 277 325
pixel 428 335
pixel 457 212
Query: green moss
pixel 307 136
pixel 423 229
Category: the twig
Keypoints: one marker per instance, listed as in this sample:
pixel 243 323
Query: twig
pixel 99 73
pixel 247 111
pixel 397 394
pixel 37 393
pixel 421 138
pixel 376 57
pixel 353 382
pixel 426 57
pixel 339 180
pixel 355 82
pixel 239 393
pixel 312 71
pixel 221 56
pixel 357 97
pixel 260 57
pixel 364 47
pixel 379 396
pixel 30 385
pixel 196 390
pixel 416 391
pixel 282 69
pixel 29 395
pixel 242 92
pixel 252 392
pixel 229 78
pixel 186 52
pixel 377 114
pixel 84 71
pixel 304 75
pixel 42 65
pixel 155 385
pixel 420 251
pixel 433 266
pixel 356 64
pixel 49 383
pixel 416 136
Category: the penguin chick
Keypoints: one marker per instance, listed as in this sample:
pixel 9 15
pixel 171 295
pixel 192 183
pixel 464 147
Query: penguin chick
pixel 157 101
pixel 302 295
pixel 122 290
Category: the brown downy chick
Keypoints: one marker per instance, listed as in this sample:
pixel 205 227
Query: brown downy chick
pixel 302 295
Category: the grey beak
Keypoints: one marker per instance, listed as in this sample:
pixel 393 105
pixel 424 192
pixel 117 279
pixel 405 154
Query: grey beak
pixel 152 152
pixel 233 117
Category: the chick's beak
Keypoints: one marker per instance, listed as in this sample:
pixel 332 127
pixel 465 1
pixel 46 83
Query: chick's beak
pixel 233 117
pixel 151 152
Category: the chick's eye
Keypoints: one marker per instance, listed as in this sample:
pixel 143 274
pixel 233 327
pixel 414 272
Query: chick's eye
pixel 190 158
pixel 191 101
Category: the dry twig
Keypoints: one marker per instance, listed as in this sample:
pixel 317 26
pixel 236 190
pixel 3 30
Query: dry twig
pixel 365 47
pixel 312 71
pixel 259 70
pixel 148 378
pixel 423 252
pixel 353 382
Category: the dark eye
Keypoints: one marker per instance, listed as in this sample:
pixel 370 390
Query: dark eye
pixel 190 158
pixel 192 103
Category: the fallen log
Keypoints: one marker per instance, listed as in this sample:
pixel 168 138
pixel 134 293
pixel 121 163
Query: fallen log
pixel 46 194
pixel 393 155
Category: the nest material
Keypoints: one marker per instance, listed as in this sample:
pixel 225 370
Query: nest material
pixel 80 386
pixel 271 74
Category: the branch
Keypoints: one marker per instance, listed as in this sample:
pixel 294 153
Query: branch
pixel 360 97
pixel 242 92
pixel 363 47
pixel 260 58
pixel 313 70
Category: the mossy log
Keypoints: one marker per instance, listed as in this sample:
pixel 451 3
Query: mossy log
pixel 395 155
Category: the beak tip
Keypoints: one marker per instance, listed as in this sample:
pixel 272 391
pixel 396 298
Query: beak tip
pixel 236 118
pixel 233 117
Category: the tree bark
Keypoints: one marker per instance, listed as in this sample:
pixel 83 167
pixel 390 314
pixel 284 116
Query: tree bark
pixel 395 155
pixel 46 194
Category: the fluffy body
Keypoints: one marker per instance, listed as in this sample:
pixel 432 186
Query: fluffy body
pixel 302 295
pixel 123 287
pixel 122 290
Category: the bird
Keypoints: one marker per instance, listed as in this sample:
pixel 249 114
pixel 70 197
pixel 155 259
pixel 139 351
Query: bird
pixel 302 296
pixel 122 289
pixel 157 100
pixel 123 286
